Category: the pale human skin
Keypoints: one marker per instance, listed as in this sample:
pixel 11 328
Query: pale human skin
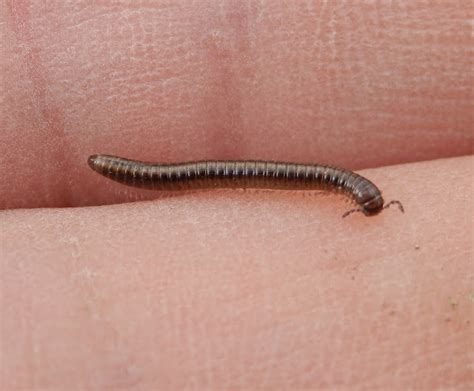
pixel 232 289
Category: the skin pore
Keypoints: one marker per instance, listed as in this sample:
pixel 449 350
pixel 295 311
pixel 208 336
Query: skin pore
pixel 106 286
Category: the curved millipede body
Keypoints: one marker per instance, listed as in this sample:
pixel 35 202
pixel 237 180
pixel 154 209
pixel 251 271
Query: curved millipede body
pixel 243 174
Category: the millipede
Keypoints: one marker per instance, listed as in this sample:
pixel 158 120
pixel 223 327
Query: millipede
pixel 254 174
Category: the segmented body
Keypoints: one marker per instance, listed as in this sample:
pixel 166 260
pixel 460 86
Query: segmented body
pixel 241 174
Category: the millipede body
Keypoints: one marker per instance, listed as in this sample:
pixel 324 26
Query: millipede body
pixel 243 174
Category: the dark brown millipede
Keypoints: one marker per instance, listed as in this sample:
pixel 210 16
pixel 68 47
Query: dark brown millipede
pixel 244 174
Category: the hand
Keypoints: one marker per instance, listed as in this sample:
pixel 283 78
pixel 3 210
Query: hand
pixel 233 289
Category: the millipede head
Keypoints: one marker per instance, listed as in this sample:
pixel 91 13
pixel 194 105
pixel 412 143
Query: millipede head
pixel 374 208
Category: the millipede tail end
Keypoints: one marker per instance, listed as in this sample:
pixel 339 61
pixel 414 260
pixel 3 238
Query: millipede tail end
pixel 91 161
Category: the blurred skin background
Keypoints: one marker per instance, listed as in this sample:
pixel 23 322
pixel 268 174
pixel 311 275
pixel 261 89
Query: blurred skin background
pixel 233 289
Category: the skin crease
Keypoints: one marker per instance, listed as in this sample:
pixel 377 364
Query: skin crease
pixel 233 289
